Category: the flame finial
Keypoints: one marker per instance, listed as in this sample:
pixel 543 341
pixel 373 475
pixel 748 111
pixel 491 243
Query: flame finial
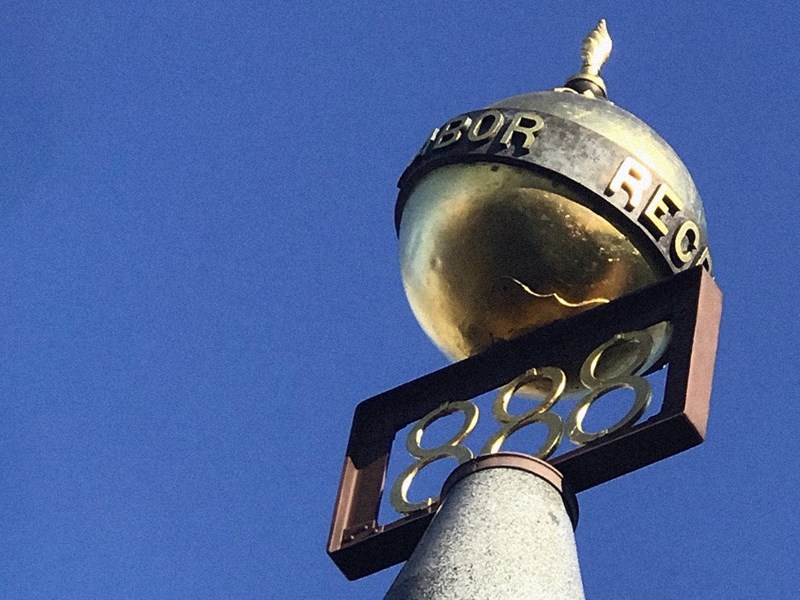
pixel 595 51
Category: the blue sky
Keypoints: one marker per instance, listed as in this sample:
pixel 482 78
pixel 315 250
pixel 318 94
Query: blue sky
pixel 199 281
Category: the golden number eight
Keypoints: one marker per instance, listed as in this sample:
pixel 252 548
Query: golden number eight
pixel 625 375
pixel 450 449
pixel 539 414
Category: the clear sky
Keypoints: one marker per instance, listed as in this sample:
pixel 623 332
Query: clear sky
pixel 199 281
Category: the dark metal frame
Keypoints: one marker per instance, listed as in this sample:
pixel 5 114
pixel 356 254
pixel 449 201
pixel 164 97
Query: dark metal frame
pixel 690 301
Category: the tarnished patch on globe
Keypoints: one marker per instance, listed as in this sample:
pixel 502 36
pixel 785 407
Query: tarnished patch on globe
pixel 491 251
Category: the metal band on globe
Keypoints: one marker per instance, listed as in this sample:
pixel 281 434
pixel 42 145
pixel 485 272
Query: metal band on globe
pixel 616 183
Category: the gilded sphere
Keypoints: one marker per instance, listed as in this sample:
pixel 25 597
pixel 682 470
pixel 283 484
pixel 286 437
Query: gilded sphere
pixel 493 246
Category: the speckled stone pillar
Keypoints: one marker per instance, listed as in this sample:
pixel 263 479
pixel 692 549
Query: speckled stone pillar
pixel 504 532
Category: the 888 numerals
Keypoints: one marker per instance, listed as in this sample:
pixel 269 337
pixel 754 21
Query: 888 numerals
pixel 616 364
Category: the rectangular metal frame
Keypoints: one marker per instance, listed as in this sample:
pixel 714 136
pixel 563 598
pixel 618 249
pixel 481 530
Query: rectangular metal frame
pixel 690 301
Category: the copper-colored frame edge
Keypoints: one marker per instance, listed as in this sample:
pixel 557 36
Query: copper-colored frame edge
pixel 680 425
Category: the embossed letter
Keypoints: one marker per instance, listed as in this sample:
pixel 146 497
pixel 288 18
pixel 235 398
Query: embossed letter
pixel 664 201
pixel 525 124
pixel 682 252
pixel 634 178
pixel 451 132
